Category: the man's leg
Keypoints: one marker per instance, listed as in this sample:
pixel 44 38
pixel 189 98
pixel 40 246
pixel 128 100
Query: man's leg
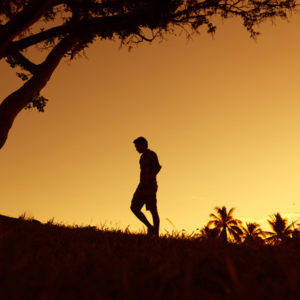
pixel 140 216
pixel 155 218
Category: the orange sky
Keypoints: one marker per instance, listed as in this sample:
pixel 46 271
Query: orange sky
pixel 222 114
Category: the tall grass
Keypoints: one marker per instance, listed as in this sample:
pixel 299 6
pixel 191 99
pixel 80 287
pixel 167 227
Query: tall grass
pixel 49 261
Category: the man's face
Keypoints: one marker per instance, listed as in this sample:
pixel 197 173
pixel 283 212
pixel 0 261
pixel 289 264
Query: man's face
pixel 140 148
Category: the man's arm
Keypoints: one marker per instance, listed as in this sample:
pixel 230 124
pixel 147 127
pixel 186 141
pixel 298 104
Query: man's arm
pixel 156 170
pixel 155 164
pixel 155 167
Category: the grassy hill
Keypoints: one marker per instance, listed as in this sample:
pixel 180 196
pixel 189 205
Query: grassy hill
pixel 47 261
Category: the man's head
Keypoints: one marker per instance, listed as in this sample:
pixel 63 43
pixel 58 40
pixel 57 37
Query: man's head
pixel 141 144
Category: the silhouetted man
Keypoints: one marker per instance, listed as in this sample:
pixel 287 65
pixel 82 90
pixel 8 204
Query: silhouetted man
pixel 147 188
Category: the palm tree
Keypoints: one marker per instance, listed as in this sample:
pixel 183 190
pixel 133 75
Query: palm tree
pixel 225 223
pixel 253 232
pixel 281 232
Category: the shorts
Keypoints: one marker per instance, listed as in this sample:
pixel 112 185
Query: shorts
pixel 145 194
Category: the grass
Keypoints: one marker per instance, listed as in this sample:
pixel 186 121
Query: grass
pixel 50 261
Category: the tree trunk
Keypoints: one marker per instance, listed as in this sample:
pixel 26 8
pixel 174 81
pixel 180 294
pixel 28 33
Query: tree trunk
pixel 28 16
pixel 224 235
pixel 18 100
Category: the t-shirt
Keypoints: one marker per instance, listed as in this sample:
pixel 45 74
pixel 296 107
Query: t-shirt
pixel 149 165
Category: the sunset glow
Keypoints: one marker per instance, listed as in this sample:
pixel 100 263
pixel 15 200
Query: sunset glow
pixel 221 113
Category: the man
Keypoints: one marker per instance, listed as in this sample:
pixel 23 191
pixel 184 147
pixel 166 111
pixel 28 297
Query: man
pixel 147 188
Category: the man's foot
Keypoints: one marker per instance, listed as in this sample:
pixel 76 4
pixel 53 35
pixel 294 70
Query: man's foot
pixel 152 231
pixel 155 231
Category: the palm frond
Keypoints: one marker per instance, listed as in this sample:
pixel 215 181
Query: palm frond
pixel 214 216
pixel 231 211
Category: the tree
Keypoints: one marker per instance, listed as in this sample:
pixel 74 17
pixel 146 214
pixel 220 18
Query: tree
pixel 225 224
pixel 253 232
pixel 281 231
pixel 67 27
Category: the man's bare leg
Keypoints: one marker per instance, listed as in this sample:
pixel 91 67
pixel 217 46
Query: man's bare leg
pixel 141 217
pixel 155 218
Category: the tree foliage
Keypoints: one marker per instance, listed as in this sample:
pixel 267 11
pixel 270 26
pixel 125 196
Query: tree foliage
pixel 130 21
pixel 222 225
pixel 225 224
pixel 281 231
pixel 253 232
pixel 64 28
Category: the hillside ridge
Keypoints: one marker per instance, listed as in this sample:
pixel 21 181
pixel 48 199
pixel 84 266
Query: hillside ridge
pixel 53 261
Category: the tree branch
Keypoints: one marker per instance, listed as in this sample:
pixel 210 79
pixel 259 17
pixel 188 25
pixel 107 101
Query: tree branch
pixel 144 38
pixel 106 26
pixel 138 17
pixel 22 61
pixel 14 103
pixel 20 22
pixel 34 39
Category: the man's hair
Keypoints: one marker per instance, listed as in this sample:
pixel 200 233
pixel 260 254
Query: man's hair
pixel 141 140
